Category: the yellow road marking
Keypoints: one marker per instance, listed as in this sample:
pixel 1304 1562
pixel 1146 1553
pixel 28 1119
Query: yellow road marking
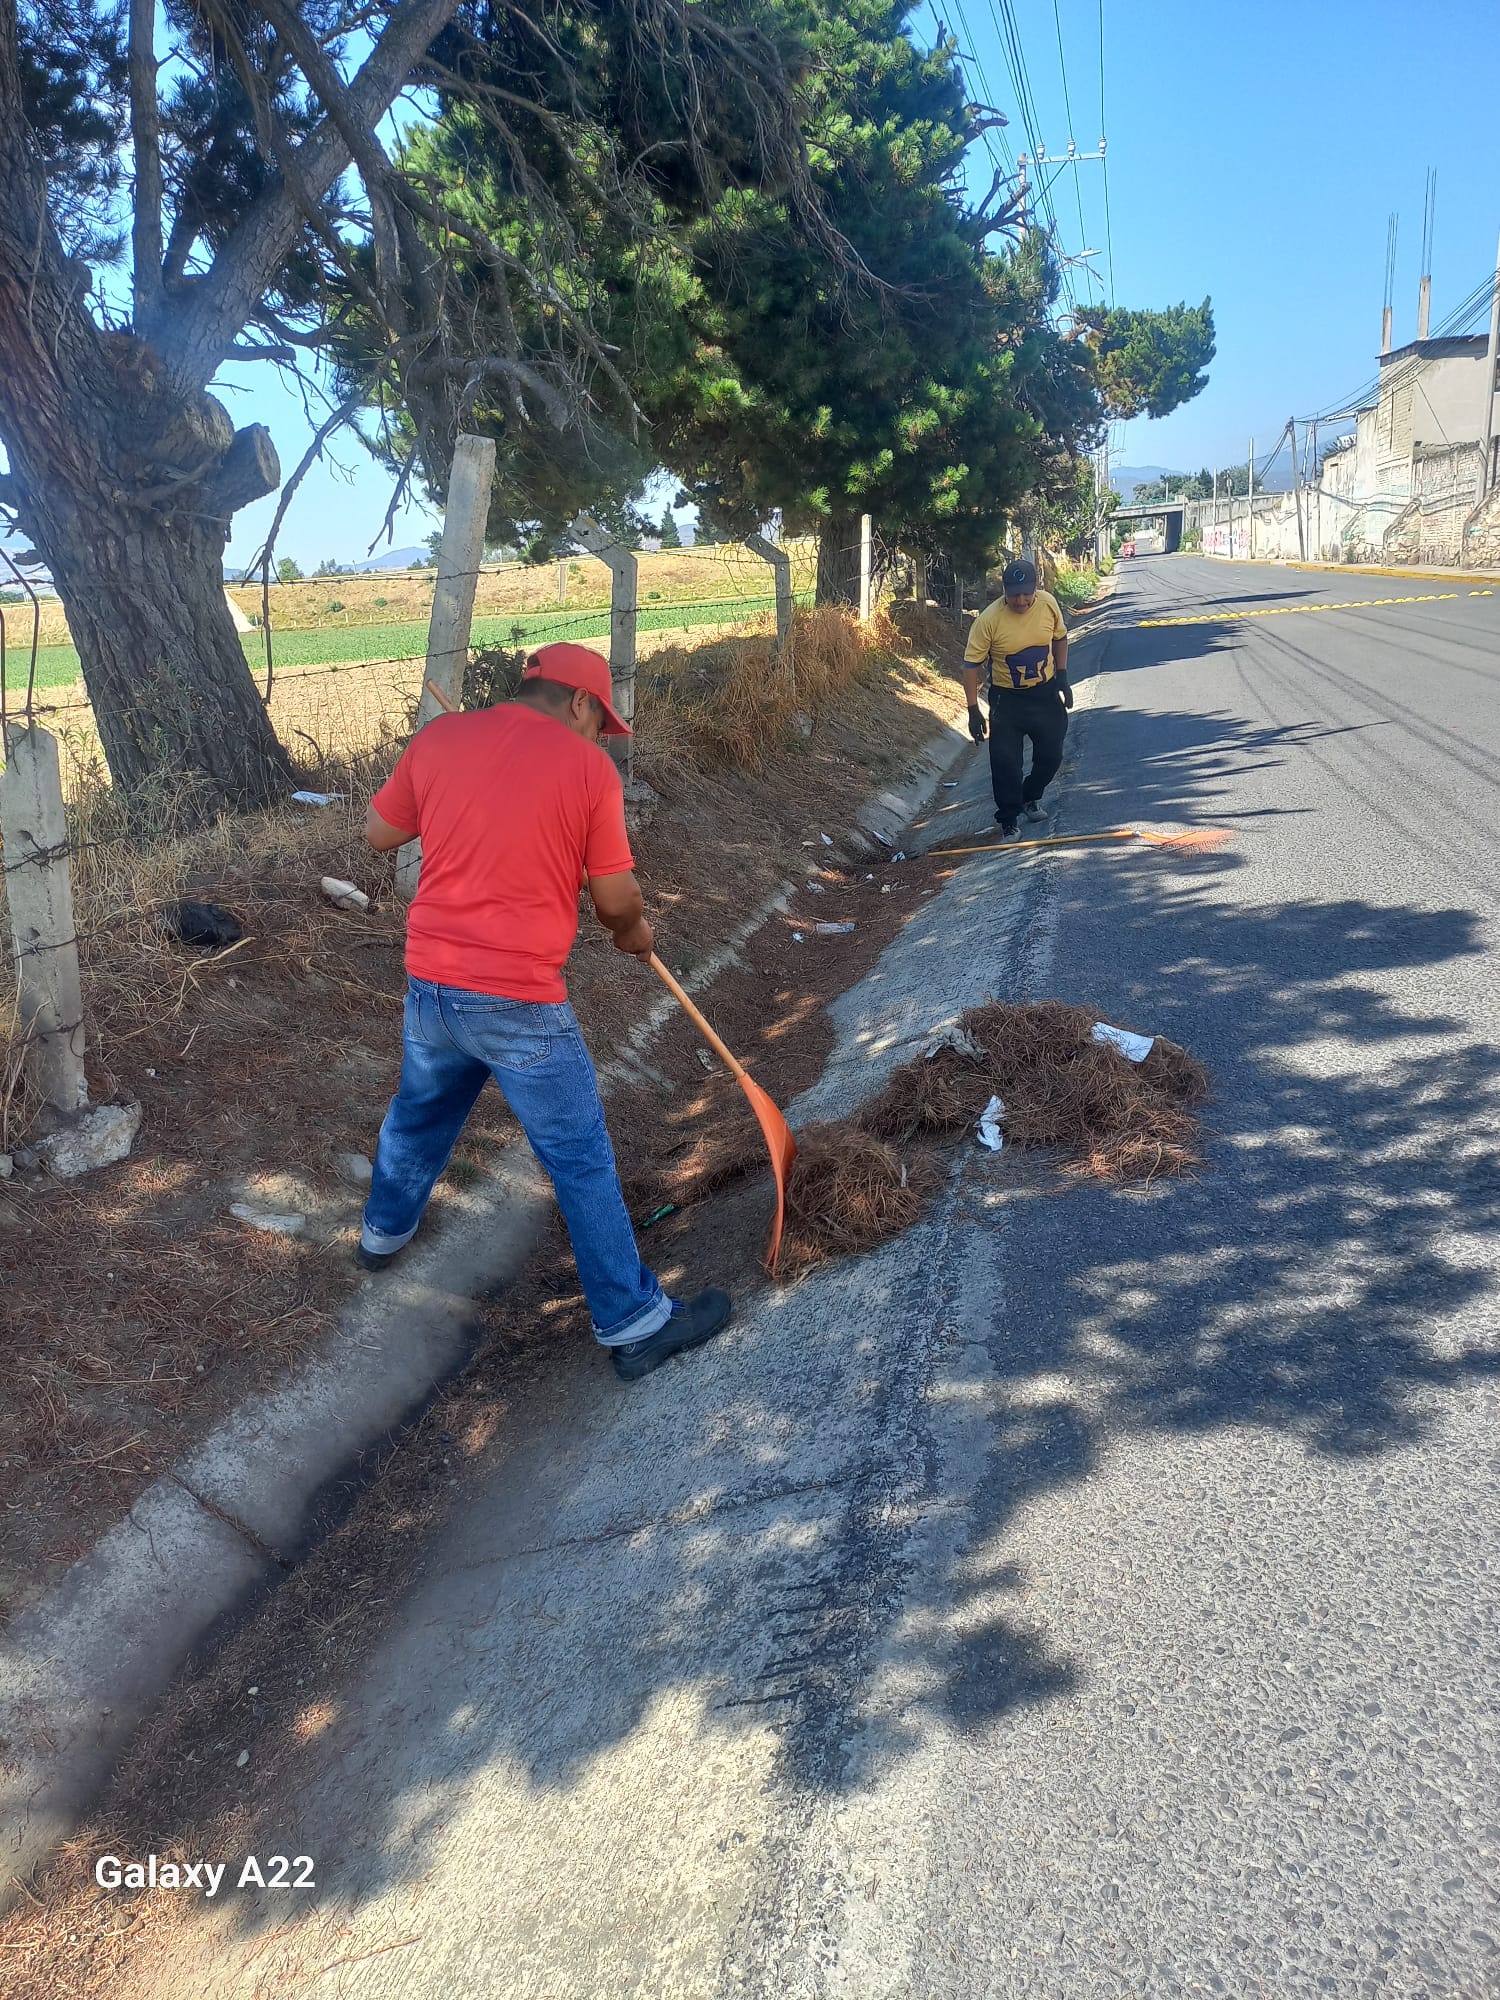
pixel 1296 610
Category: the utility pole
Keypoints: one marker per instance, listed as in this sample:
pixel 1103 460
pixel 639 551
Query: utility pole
pixel 1315 496
pixel 1251 489
pixel 1291 427
pixel 1487 419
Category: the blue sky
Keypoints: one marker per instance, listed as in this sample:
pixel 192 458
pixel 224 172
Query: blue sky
pixel 1254 155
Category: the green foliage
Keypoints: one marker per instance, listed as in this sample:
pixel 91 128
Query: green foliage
pixel 1232 481
pixel 885 357
pixel 288 571
pixel 1076 587
pixel 73 78
pixel 671 535
pixel 1149 363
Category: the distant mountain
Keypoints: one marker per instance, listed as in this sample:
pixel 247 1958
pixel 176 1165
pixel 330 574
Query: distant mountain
pixel 1124 479
pixel 392 559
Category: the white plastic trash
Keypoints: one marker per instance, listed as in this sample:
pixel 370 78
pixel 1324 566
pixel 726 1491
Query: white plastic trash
pixel 989 1133
pixel 1136 1047
pixel 344 895
pixel 834 930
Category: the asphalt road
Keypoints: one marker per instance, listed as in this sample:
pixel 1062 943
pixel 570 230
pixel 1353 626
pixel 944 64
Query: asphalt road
pixel 1092 1593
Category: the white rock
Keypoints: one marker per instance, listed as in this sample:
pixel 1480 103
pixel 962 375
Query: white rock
pixel 355 1168
pixel 87 1140
pixel 242 1760
pixel 260 1218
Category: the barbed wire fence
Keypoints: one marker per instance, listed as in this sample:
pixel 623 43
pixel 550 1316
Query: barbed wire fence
pixel 332 696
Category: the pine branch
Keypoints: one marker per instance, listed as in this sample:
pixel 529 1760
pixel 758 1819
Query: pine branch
pixel 247 266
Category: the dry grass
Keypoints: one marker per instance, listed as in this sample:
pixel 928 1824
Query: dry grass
pixel 733 703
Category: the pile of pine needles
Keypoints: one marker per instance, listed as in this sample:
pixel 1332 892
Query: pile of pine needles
pixel 858 1181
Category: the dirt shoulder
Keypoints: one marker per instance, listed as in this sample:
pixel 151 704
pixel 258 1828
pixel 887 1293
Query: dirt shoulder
pixel 139 1309
pixel 274 1685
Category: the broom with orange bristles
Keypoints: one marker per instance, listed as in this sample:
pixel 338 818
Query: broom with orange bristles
pixel 1193 839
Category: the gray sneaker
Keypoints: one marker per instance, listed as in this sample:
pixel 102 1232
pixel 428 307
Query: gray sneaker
pixel 1033 810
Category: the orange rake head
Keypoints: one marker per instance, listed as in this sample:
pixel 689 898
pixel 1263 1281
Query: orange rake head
pixel 782 1148
pixel 1201 839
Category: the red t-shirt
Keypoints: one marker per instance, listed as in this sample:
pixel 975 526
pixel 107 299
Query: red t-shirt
pixel 515 812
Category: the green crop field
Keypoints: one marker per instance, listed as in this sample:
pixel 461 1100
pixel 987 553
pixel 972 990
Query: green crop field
pixel 57 666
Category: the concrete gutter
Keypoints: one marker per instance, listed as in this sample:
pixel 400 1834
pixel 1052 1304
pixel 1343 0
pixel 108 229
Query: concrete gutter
pixel 80 1669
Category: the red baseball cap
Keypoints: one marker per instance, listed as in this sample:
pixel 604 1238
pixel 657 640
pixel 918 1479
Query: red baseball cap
pixel 578 667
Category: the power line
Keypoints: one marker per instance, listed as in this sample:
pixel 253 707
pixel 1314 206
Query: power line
pixel 1109 235
pixel 1460 320
pixel 1062 64
pixel 1014 57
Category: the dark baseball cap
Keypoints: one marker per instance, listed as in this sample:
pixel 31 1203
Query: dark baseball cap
pixel 1019 579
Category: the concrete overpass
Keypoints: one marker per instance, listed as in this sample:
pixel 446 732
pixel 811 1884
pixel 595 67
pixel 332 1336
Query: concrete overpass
pixel 1168 512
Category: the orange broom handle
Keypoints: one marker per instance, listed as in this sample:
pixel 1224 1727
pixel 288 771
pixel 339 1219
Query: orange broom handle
pixel 1056 840
pixel 731 1062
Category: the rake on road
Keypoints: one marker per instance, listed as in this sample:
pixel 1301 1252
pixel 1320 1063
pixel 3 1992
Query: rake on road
pixel 1199 839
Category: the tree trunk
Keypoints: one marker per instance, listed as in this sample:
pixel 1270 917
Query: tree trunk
pixel 130 507
pixel 125 476
pixel 170 685
pixel 838 560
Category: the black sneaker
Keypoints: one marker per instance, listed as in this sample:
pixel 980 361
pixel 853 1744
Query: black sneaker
pixel 1033 810
pixel 376 1260
pixel 693 1321
pixel 1008 828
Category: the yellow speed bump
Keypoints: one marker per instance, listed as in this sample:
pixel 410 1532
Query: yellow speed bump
pixel 1300 610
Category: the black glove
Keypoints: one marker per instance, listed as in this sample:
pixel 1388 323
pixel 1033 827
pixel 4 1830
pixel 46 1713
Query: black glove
pixel 1065 693
pixel 977 728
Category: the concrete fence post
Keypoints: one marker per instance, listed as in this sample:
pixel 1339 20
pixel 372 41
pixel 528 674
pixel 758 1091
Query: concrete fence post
pixel 919 577
pixel 459 557
pixel 39 890
pixel 623 597
pixel 781 568
pixel 958 593
pixel 866 567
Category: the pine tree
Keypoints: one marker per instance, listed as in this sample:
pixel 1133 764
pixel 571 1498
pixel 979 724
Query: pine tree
pixel 248 153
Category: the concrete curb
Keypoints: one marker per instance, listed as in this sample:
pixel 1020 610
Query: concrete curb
pixel 83 1667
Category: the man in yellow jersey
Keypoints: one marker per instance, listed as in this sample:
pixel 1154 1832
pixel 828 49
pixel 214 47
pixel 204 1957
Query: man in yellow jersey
pixel 1022 642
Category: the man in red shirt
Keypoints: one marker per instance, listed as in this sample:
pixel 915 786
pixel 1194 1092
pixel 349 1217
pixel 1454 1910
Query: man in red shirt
pixel 518 808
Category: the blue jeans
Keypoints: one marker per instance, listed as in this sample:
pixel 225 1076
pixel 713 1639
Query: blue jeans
pixel 452 1041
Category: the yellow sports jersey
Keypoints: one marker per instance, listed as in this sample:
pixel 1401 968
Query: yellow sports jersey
pixel 1017 644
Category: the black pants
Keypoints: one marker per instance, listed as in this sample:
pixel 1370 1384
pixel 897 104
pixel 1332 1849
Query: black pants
pixel 1015 714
